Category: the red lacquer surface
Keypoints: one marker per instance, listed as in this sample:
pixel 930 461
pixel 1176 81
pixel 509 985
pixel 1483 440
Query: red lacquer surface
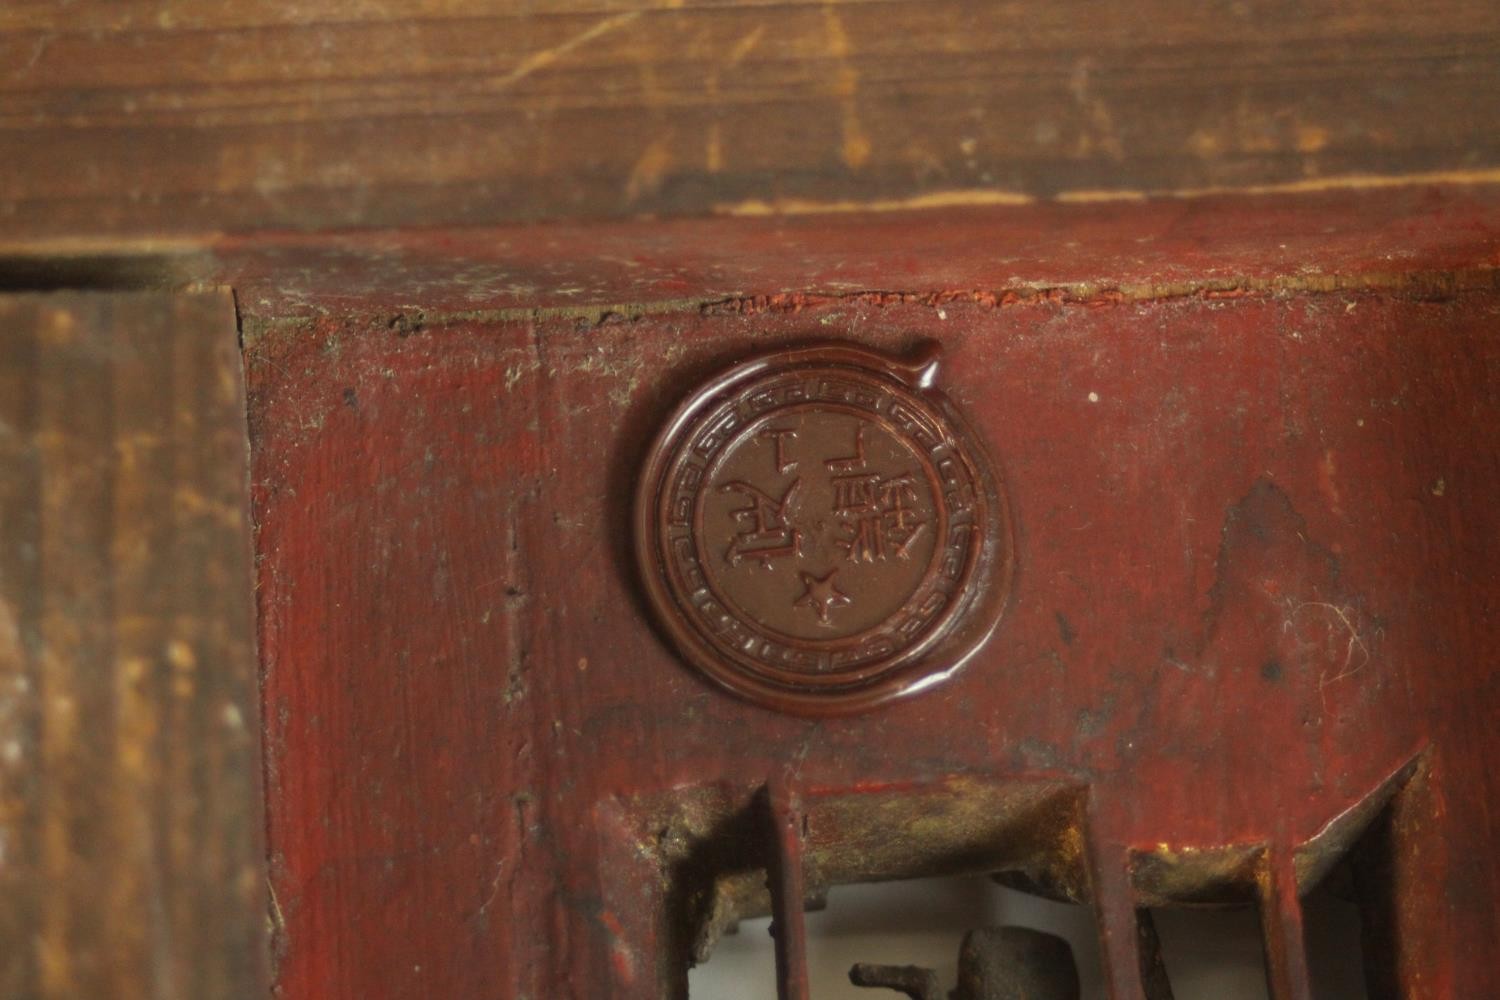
pixel 1255 575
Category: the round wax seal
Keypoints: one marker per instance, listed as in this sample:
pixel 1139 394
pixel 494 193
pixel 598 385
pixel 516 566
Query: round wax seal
pixel 819 531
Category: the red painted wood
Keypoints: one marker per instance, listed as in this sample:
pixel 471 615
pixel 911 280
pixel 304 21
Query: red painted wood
pixel 1096 252
pixel 1285 940
pixel 1255 575
pixel 788 884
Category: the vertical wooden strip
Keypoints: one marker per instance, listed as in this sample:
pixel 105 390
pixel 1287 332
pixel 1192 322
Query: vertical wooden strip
pixel 140 551
pixel 139 870
pixel 79 940
pixel 1281 927
pixel 788 892
pixel 1119 924
pixel 20 709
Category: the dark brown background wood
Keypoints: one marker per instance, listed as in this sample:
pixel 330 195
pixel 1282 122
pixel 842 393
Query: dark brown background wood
pixel 153 122
pixel 131 859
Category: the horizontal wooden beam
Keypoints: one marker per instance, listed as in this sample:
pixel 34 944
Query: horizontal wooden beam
pixel 155 122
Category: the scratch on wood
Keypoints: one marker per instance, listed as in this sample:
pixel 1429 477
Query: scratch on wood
pixel 650 169
pixel 713 159
pixel 1355 645
pixel 43 42
pixel 744 46
pixel 1099 127
pixel 982 197
pixel 856 146
pixel 540 60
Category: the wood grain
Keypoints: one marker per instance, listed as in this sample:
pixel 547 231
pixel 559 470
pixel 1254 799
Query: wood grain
pixel 153 121
pixel 1255 578
pixel 130 821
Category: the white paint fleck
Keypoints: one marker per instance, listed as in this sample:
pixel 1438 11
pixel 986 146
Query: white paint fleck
pixel 1093 397
pixel 942 314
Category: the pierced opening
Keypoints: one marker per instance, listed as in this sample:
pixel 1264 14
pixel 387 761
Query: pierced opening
pixel 1333 930
pixel 916 922
pixel 895 873
pixel 1213 953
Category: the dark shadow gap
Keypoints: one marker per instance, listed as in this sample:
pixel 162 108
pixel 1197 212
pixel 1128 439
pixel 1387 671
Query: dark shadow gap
pixel 98 272
pixel 1333 931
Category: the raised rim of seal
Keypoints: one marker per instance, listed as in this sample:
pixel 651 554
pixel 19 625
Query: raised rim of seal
pixel 940 651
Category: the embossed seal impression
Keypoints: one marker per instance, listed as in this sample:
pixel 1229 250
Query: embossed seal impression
pixel 819 531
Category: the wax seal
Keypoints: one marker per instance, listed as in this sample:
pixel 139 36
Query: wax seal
pixel 819 531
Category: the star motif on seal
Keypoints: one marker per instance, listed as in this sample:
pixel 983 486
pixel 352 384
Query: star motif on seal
pixel 821 595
